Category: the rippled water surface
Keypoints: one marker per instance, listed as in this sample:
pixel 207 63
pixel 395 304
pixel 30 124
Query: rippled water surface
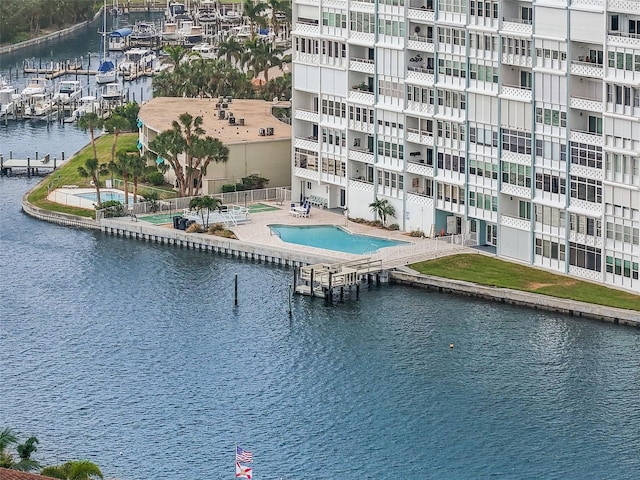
pixel 133 355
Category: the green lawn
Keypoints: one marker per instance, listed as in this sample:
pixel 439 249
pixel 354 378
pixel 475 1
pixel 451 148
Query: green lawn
pixel 490 271
pixel 68 174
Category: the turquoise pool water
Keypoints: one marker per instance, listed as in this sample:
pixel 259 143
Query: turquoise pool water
pixel 105 196
pixel 331 237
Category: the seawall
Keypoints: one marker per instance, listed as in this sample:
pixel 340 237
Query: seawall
pixel 129 228
pixel 592 311
pixel 51 36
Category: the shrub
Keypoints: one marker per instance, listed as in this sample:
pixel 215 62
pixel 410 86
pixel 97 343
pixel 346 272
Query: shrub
pixel 228 188
pixel 393 226
pixel 155 178
pixel 195 228
pixel 216 227
pixel 417 233
pixel 113 208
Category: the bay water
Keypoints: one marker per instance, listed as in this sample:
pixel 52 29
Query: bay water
pixel 134 356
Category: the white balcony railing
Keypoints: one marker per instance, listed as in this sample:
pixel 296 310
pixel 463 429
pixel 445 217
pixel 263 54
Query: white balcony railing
pixel 516 92
pixel 308 115
pixel 515 222
pixel 586 69
pixel 517 25
pixel 363 65
pixel 588 104
pixel 361 96
pixel 590 138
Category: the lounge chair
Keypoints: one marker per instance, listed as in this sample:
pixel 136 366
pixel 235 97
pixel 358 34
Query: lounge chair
pixel 307 211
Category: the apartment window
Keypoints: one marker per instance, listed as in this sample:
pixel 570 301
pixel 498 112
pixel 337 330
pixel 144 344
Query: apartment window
pixel 485 169
pixel 451 162
pixel 516 141
pixel 550 249
pixel 483 73
pixel 447 98
pixel 551 216
pixel 585 225
pixel 585 256
pixel 516 174
pixel 623 233
pixel 452 67
pixel 453 6
pixel 586 155
pixel 524 209
pixel 586 189
pixel 622 267
pixel 550 116
pixel 551 183
pixel 483 135
pixel 595 124
pixel 550 148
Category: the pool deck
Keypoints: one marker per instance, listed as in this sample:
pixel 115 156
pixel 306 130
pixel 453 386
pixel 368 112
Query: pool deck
pixel 257 231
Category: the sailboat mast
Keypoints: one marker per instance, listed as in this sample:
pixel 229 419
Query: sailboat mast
pixel 104 29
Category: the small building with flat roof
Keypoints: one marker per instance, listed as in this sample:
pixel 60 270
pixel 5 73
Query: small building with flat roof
pixel 258 142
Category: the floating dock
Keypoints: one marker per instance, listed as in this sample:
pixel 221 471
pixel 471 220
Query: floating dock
pixel 32 166
pixel 320 280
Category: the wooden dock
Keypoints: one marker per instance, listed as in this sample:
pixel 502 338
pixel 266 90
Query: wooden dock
pixel 320 280
pixel 31 166
pixel 56 69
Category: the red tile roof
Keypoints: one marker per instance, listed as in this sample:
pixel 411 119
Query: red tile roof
pixel 6 474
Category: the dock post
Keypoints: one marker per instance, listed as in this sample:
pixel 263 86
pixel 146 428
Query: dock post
pixel 330 289
pixel 357 291
pixel 235 290
pixel 1 165
pixel 295 278
pixel 29 167
pixel 311 284
pixel 290 297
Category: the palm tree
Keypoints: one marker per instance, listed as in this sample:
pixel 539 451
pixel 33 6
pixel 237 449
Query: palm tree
pixel 207 150
pixel 93 169
pixel 116 125
pixel 204 205
pixel 279 7
pixel 261 57
pixel 169 145
pixel 7 439
pixel 90 122
pixel 231 49
pixel 175 54
pixel 137 168
pixel 382 209
pixel 122 167
pixel 253 11
pixel 73 470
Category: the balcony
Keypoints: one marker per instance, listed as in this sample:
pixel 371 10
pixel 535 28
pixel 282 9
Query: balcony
pixel 303 57
pixel 515 222
pixel 307 26
pixel 516 190
pixel 361 184
pixel 306 173
pixel 363 65
pixel 590 138
pixel 586 69
pixel 517 60
pixel 517 26
pixel 308 143
pixel 419 198
pixel 624 39
pixel 624 6
pixel 587 104
pixel 361 155
pixel 420 75
pixel 422 44
pixel 419 11
pixel 307 115
pixel 419 168
pixel 419 136
pixel 592 4
pixel 516 92
pixel 419 108
pixel 361 96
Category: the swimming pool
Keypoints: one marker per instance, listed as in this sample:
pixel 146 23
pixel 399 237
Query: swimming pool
pixel 331 237
pixel 105 196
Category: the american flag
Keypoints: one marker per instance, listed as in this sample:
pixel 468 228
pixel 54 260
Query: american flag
pixel 244 456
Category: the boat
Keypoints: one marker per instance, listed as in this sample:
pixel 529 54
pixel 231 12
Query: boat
pixel 68 91
pixel 87 104
pixel 174 11
pixel 40 107
pixel 170 32
pixel 205 50
pixel 8 97
pixel 207 12
pixel 144 33
pixel 112 92
pixel 106 70
pixel 119 39
pixel 36 86
pixel 136 60
pixel 231 16
pixel 194 35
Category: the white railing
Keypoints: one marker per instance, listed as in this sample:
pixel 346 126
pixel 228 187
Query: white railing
pixel 515 222
pixel 178 205
pixel 420 250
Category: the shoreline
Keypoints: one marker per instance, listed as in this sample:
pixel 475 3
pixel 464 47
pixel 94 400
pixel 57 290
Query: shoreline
pixel 295 257
pixel 50 36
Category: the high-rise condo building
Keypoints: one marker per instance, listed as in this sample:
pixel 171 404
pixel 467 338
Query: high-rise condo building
pixel 515 122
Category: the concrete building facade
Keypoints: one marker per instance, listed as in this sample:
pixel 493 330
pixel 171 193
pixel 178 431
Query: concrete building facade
pixel 258 142
pixel 515 121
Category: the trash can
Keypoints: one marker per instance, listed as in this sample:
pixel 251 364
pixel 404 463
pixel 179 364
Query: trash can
pixel 183 223
pixel 176 221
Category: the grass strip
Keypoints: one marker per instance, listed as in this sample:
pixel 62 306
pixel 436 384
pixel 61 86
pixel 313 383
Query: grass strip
pixel 490 271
